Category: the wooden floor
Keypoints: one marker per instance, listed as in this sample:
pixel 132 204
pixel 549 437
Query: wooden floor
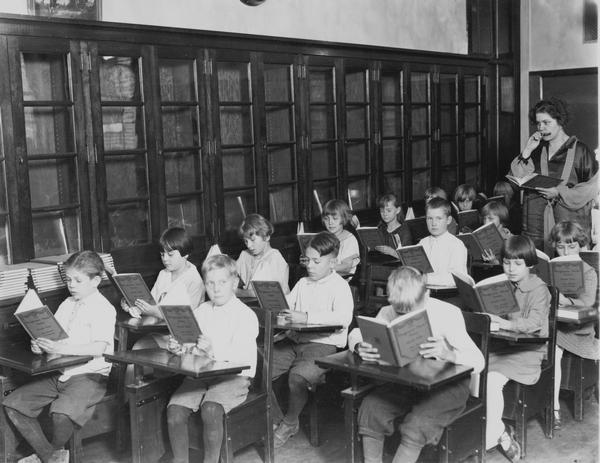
pixel 577 442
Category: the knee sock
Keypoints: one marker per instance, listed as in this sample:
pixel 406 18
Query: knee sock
pixel 372 449
pixel 558 353
pixel 177 420
pixel 31 430
pixel 495 406
pixel 298 398
pixel 62 430
pixel 408 451
pixel 212 422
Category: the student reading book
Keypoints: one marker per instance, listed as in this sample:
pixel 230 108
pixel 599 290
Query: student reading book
pixel 181 322
pixel 568 239
pixel 259 261
pixel 484 242
pixel 424 415
pixel 520 363
pixel 415 256
pixel 497 213
pixel 398 341
pixel 437 192
pixel 89 322
pixel 393 233
pixel 565 272
pixel 493 295
pixel 133 288
pixel 335 216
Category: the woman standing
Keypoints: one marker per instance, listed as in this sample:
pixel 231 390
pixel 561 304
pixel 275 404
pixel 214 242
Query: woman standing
pixel 550 151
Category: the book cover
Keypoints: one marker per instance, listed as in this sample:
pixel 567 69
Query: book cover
pixel 369 237
pixel 397 341
pixel 533 181
pixel 418 228
pixel 270 295
pixel 485 237
pixel 468 219
pixel 576 312
pixel 303 240
pixel 181 321
pixel 563 272
pixel 415 256
pixel 132 286
pixel 493 295
pixel 40 322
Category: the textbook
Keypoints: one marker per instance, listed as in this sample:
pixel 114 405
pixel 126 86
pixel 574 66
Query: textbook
pixel 494 295
pixel 468 219
pixel 533 181
pixel 370 237
pixel 132 287
pixel 303 240
pixel 397 341
pixel 485 237
pixel 576 312
pixel 182 323
pixel 415 256
pixel 591 258
pixel 37 319
pixel 418 228
pixel 270 295
pixel 564 273
pixel 499 198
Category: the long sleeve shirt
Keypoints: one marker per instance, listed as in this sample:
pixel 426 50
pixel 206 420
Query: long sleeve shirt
pixel 447 254
pixel 533 298
pixel 232 330
pixel 187 289
pixel 270 266
pixel 325 301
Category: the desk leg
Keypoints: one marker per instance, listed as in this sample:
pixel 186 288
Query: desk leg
pixel 350 422
pixel 122 334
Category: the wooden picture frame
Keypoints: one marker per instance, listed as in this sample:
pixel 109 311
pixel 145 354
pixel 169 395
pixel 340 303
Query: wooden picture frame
pixel 71 9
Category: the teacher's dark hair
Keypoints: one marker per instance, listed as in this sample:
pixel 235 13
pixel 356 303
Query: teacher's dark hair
pixel 554 107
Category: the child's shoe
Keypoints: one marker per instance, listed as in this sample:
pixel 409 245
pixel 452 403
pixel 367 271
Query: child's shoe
pixel 283 432
pixel 557 420
pixel 59 456
pixel 33 458
pixel 509 445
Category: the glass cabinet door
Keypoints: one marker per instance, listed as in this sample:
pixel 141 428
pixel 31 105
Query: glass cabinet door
pixel 237 139
pixel 280 124
pixel 51 150
pixel 358 137
pixel 181 144
pixel 392 130
pixel 323 132
pixel 449 131
pixel 474 85
pixel 5 245
pixel 421 132
pixel 122 148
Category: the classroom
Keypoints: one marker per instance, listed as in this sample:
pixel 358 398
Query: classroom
pixel 310 230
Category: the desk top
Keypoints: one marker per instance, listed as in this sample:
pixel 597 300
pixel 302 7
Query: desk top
pixel 195 366
pixel 423 374
pixel 143 325
pixel 20 357
pixel 519 338
pixel 308 327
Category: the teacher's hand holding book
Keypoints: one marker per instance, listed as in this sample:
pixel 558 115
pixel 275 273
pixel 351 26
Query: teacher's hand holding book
pixel 548 193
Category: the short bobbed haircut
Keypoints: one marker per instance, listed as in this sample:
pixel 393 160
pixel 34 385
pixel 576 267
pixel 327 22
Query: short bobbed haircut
pixel 87 262
pixel 390 198
pixel 255 224
pixel 503 188
pixel 498 209
pixel 325 243
pixel 519 247
pixel 568 232
pixel 176 239
pixel 220 261
pixel 464 192
pixel 337 207
pixel 406 288
pixel 435 192
pixel 439 203
pixel 554 107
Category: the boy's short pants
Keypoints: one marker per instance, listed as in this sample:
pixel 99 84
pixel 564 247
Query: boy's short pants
pixel 300 360
pixel 71 397
pixel 228 391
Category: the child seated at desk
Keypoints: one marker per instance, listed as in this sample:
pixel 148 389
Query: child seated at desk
pixel 424 415
pixel 229 331
pixel 322 297
pixel 568 238
pixel 393 233
pixel 521 363
pixel 497 213
pixel 437 192
pixel 89 321
pixel 511 201
pixel 445 252
pixel 259 261
pixel 464 197
pixel 336 214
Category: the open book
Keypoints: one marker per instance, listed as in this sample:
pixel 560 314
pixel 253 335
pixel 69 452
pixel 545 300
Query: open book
pixel 415 256
pixel 370 237
pixel 181 322
pixel 564 273
pixel 132 286
pixel 418 228
pixel 270 295
pixel 493 295
pixel 397 341
pixel 533 181
pixel 485 237
pixel 574 312
pixel 468 218
pixel 37 319
pixel 303 240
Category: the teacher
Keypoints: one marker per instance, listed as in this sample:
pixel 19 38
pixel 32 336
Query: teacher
pixel 550 151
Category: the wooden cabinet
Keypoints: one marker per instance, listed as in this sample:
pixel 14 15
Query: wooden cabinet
pixel 113 133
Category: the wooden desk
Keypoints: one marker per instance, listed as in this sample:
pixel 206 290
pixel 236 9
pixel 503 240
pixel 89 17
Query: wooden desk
pixel 518 338
pixel 308 327
pixel 588 315
pixel 20 357
pixel 422 374
pixel 148 399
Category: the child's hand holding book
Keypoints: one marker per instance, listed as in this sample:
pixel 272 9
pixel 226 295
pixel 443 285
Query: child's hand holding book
pixel 489 257
pixel 295 316
pixel 437 348
pixel 35 348
pixel 48 346
pixel 387 250
pixel 367 352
